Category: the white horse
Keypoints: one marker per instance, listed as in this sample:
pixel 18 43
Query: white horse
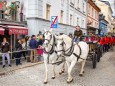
pixel 50 56
pixel 73 53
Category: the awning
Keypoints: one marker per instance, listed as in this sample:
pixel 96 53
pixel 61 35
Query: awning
pixel 1 31
pixel 18 30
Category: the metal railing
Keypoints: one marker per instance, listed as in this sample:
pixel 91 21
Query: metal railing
pixel 27 53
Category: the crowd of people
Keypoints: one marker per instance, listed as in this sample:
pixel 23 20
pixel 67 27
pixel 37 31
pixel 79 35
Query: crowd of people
pixel 29 47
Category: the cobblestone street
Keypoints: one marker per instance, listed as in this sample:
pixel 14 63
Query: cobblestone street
pixel 103 75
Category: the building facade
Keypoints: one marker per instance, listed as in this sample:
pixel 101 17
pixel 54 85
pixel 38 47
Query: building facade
pixel 102 25
pixel 93 18
pixel 38 13
pixel 70 13
pixel 107 12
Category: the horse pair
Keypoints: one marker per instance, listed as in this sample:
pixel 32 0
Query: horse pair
pixel 56 47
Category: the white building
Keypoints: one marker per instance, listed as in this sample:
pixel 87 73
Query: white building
pixel 70 13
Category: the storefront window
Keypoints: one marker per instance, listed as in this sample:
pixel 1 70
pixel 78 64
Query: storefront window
pixel 2 14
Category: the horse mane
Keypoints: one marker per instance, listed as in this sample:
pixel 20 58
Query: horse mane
pixel 66 39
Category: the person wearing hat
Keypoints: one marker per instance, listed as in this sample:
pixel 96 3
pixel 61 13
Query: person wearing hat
pixel 33 46
pixel 77 34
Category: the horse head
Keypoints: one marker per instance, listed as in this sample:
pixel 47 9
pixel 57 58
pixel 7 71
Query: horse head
pixel 48 37
pixel 63 42
pixel 59 45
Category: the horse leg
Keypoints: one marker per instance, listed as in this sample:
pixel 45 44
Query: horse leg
pixel 53 77
pixel 70 79
pixel 62 68
pixel 46 73
pixel 82 68
pixel 68 64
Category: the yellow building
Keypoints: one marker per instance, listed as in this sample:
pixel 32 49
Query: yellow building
pixel 107 12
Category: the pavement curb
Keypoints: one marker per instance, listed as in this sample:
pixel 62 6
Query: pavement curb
pixel 5 72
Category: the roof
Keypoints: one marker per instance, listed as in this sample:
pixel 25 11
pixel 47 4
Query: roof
pixel 94 5
pixel 107 3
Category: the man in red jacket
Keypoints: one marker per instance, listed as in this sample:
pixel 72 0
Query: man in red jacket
pixel 101 43
pixel 106 44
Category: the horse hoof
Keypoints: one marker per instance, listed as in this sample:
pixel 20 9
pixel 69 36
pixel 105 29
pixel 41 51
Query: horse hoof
pixel 60 73
pixel 70 81
pixel 83 71
pixel 45 82
pixel 53 77
pixel 81 75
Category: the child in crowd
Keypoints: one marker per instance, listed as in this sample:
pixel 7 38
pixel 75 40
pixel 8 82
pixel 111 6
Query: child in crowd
pixel 40 52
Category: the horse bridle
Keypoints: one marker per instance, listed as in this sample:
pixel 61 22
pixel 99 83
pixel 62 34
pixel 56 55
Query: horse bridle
pixel 70 48
pixel 50 37
pixel 52 46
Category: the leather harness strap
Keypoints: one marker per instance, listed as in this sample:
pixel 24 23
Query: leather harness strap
pixel 78 56
pixel 51 51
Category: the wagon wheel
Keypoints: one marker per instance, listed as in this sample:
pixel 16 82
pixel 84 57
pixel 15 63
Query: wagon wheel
pixel 94 60
pixel 99 54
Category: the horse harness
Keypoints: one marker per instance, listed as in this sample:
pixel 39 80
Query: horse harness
pixel 78 56
pixel 52 49
pixel 71 49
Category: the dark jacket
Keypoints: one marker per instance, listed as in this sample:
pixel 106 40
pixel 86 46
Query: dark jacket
pixel 5 47
pixel 78 33
pixel 40 42
pixel 33 44
pixel 18 47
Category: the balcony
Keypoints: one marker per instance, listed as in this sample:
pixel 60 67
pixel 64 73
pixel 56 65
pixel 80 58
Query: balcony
pixel 7 20
pixel 10 14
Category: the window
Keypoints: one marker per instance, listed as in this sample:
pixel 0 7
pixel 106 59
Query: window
pixel 61 16
pixel 1 14
pixel 95 14
pixel 71 19
pixel 92 11
pixel 72 1
pixel 78 4
pixel 62 3
pixel 47 11
pixel 89 9
pixel 83 23
pixel 95 24
pixel 83 8
pixel 77 21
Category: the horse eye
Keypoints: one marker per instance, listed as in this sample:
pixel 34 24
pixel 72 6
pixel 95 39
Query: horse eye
pixel 61 44
pixel 55 44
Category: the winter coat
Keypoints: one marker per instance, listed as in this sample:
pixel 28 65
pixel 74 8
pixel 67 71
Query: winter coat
pixel 102 41
pixel 33 44
pixel 78 33
pixel 40 50
pixel 5 47
pixel 18 47
pixel 106 40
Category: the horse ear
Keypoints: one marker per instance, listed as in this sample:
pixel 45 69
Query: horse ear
pixel 45 30
pixel 50 30
pixel 56 36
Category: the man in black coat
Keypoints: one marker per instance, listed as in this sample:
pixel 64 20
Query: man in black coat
pixel 5 49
